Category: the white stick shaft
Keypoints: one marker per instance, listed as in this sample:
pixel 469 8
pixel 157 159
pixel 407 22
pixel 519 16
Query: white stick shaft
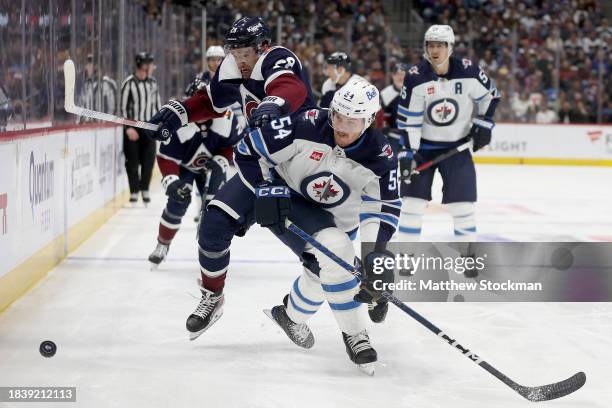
pixel 70 107
pixel 110 118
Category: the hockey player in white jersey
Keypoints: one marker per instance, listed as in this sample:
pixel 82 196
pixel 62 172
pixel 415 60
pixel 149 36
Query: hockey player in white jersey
pixel 340 175
pixel 436 110
pixel 339 73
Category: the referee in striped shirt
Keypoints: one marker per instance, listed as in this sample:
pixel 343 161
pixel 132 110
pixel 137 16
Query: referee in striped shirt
pixel 139 101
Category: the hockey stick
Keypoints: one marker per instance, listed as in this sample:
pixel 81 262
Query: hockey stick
pixel 534 394
pixel 444 156
pixel 70 107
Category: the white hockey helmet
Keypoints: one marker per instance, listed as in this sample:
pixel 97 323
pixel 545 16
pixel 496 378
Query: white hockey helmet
pixel 357 99
pixel 215 51
pixel 439 33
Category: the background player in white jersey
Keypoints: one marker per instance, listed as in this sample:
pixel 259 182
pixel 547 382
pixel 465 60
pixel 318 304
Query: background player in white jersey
pixel 333 173
pixel 339 73
pixel 436 109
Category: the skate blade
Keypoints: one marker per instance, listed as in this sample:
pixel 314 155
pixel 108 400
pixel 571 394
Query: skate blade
pixel 193 336
pixel 268 312
pixel 367 368
pixel 153 266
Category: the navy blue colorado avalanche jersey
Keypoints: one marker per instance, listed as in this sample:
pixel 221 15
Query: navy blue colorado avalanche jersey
pixel 228 87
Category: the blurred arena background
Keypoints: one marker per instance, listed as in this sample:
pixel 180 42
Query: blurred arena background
pixel 550 59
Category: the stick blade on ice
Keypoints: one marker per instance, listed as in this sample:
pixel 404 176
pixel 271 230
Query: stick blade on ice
pixel 555 390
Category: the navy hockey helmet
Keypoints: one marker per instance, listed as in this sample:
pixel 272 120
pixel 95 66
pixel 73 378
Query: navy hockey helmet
pixel 339 59
pixel 143 58
pixel 247 32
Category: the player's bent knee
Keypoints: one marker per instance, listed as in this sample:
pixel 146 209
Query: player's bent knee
pixel 216 230
pixel 336 241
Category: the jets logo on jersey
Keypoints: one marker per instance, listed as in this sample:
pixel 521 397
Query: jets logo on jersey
pixel 325 189
pixel 443 112
pixel 414 70
pixel 386 152
pixel 466 63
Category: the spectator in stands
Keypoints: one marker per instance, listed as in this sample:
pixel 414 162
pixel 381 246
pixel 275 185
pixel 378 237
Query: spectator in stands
pixel 573 114
pixel 544 114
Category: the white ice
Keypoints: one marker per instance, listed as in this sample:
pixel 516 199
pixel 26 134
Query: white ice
pixel 121 338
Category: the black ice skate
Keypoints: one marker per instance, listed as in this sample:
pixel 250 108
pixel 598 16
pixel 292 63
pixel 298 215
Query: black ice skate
pixel 378 310
pixel 146 198
pixel 133 199
pixel 158 255
pixel 206 314
pixel 360 351
pixel 299 333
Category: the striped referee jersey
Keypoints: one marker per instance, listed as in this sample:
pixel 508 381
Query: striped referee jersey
pixel 140 99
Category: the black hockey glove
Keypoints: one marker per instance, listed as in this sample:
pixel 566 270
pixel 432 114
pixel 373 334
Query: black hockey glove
pixel 176 188
pixel 170 118
pixel 272 206
pixel 377 268
pixel 270 108
pixel 408 162
pixel 481 132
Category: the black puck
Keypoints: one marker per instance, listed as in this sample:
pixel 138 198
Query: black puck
pixel 47 348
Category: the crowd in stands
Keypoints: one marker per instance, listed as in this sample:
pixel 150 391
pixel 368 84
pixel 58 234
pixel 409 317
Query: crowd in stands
pixel 551 59
pixel 563 49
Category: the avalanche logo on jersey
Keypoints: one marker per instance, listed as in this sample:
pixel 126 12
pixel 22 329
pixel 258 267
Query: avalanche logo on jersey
pixel 249 102
pixel 386 152
pixel 312 115
pixel 325 189
pixel 443 112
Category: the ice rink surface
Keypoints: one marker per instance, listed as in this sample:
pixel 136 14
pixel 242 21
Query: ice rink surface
pixel 121 338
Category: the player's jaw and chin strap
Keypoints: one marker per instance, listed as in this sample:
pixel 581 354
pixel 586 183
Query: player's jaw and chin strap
pixel 449 47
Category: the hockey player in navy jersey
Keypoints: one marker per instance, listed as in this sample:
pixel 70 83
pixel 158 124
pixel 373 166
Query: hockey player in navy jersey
pixel 342 176
pixel 436 110
pixel 268 81
pixel 198 154
pixel 389 98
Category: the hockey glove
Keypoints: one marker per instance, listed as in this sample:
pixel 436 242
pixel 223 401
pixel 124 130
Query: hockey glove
pixel 377 269
pixel 408 162
pixel 270 108
pixel 272 206
pixel 170 118
pixel 176 188
pixel 481 132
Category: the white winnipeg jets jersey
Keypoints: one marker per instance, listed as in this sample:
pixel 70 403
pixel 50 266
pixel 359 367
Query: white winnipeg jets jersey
pixel 357 184
pixel 440 108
